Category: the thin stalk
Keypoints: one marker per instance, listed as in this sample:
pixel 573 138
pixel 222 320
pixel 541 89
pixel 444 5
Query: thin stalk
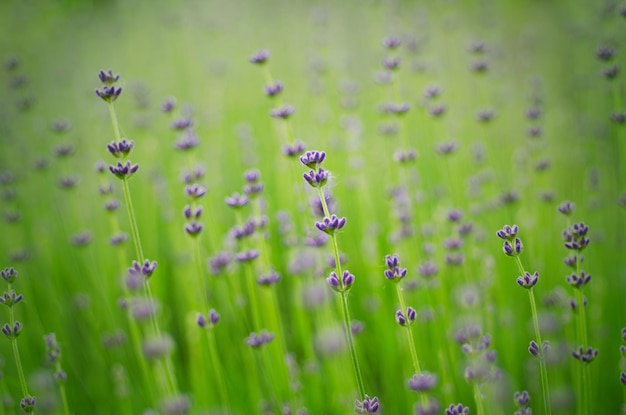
pixel 16 353
pixel 478 398
pixel 214 356
pixel 344 305
pixel 582 335
pixel 139 253
pixel 545 388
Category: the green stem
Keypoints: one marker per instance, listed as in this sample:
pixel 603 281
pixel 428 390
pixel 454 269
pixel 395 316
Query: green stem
pixel 582 337
pixel 478 398
pixel 344 304
pixel 545 388
pixel 16 352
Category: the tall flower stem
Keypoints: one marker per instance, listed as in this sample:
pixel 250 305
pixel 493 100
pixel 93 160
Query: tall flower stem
pixel 171 379
pixel 582 337
pixel 478 398
pixel 344 305
pixel 214 355
pixel 542 362
pixel 16 352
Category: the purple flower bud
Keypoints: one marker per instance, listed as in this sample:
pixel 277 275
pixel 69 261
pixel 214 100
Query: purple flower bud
pixel 566 208
pixel 109 93
pixel 312 158
pixel 146 270
pixel 195 191
pixel 260 57
pixel 273 89
pixel 577 281
pixel 400 318
pixel 533 348
pixel 247 256
pixel 411 314
pixel 585 356
pixel 283 112
pixel 9 274
pixel 316 179
pixel 28 404
pixel 432 91
pixel 485 115
pixel 124 171
pixel 618 117
pixel 438 110
pixel 181 123
pixel 392 63
pixel 367 405
pixel 168 105
pixel 508 232
pixel 391 42
pixel 219 262
pixel 333 281
pixel 120 149
pixel 622 376
pixel 64 150
pixel 527 280
pixel 257 340
pixel 533 113
pixel 187 141
pixel 271 278
pixel 331 225
pixel 407 156
pixel 423 382
pixel 10 299
pixel 236 201
pixel 612 72
pixel 252 176
pixel 427 269
pixel 447 148
pixel 294 149
pixel 214 317
pixel 453 244
pixel 521 399
pixel 193 228
pixel 190 213
pixel 457 409
pixel 108 78
pixel 393 108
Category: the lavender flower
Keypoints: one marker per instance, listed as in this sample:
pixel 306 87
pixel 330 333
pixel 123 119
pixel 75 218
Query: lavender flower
pixel 293 150
pixel 527 280
pixel 255 340
pixel 28 404
pixel 9 274
pixel 124 171
pixel 193 228
pixel 345 284
pixel 190 213
pixel 108 78
pixel 508 232
pixel 195 191
pixel 316 179
pixel 273 89
pixel 219 262
pixel 422 382
pixel 392 63
pixel 208 321
pixel 271 278
pixel 367 405
pixel 236 201
pixel 432 91
pixel 168 105
pixel 391 42
pixel 612 72
pixel 247 256
pixel 566 207
pixel 120 149
pixel 187 141
pixel 447 148
pixel 10 299
pixel 408 319
pixel 521 399
pixel 311 159
pixel 578 281
pixel 605 53
pixel 331 225
pixel 181 123
pixel 283 112
pixel 109 93
pixel 457 409
pixel 585 356
pixel 146 270
pixel 393 271
pixel 260 57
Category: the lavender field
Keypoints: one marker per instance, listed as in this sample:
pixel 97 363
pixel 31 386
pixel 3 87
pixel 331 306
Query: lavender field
pixel 330 207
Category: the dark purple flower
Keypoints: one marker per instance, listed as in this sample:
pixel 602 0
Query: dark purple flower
pixel 187 141
pixel 81 238
pixel 64 150
pixel 432 91
pixel 252 176
pixel 260 57
pixel 12 332
pixel 271 278
pixel 253 190
pixel 120 149
pixel 393 108
pixel 391 42
pixel 438 110
pixel 392 63
pixel 454 259
pixel 190 213
pixel 219 262
pixel 585 356
pixel 68 182
pixel 146 270
pixel 457 409
pixel 508 232
pixel 273 89
pixel 11 298
pixel 316 179
pixel 109 93
pixel 577 281
pixel 422 382
pixel 521 399
pixel 465 229
pixel 247 256
pixel 401 156
pixel 181 123
pixel 618 117
pixel 453 244
pixel 448 147
pixel 283 112
pixel 293 150
pixel 124 171
pixel 331 225
pixel 480 66
pixel 566 207
pixel 367 405
pixel 168 105
pixel 485 115
pixel 118 239
pixel 9 274
pixel 28 404
pixel 612 72
pixel 195 191
pixel 622 376
pixel 236 200
pixel 311 159
pixel 527 280
pixel 393 271
pixel 255 340
pixel 193 228
pixel 605 53
pixel 345 284
pixel 356 327
pixel 210 320
pixel 108 78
